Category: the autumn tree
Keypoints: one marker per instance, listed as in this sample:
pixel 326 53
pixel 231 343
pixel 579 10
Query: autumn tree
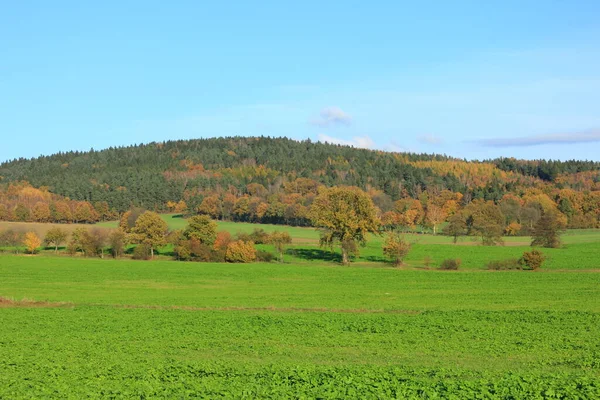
pixel 435 216
pixel 79 239
pixel 240 252
pixel 31 242
pixel 396 248
pixel 41 212
pixel 280 240
pixel 117 239
pixel 150 230
pixel 485 219
pixel 22 213
pixel 547 230
pixel 55 237
pixel 456 227
pixel 344 215
pixel 129 218
pixel 201 228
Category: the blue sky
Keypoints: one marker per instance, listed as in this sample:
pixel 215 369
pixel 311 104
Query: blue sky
pixel 470 79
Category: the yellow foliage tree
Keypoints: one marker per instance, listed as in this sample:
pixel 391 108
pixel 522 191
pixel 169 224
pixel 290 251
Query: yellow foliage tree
pixel 32 242
pixel 344 215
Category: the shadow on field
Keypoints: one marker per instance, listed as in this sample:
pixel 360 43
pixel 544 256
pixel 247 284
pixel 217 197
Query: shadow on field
pixel 377 259
pixel 315 254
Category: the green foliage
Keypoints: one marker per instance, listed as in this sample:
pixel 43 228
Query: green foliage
pixel 451 264
pixel 502 265
pixel 56 236
pixel 150 230
pixel 202 229
pixel 547 231
pixel 280 240
pixel 485 219
pixel 532 259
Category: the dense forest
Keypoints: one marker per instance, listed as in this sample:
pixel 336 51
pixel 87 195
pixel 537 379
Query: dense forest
pixel 275 180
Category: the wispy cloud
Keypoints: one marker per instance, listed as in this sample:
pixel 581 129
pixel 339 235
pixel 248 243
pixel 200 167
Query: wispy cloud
pixel 430 139
pixel 561 138
pixel 332 116
pixel 364 142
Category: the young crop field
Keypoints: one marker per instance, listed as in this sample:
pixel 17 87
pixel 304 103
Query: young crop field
pixel 162 329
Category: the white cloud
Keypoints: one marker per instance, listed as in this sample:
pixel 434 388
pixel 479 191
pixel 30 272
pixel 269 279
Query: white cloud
pixel 562 138
pixel 332 116
pixel 430 139
pixel 364 142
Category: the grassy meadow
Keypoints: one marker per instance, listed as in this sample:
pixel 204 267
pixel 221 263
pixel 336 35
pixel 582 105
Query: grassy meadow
pixel 74 327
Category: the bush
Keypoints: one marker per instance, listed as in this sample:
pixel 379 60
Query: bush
pixel 503 265
pixel 141 252
pixel 532 259
pixel 259 236
pixel 222 241
pixel 396 248
pixel 451 264
pixel 243 236
pixel 240 252
pixel 193 250
pixel 264 256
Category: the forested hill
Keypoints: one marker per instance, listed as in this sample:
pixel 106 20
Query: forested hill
pixel 270 175
pixel 150 175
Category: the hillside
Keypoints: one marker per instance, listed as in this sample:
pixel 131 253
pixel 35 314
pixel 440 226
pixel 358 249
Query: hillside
pixel 273 180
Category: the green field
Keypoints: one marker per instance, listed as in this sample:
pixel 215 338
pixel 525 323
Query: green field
pixel 163 329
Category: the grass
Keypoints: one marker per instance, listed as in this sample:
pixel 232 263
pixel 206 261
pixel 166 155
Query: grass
pixel 166 283
pixel 162 329
pixel 74 327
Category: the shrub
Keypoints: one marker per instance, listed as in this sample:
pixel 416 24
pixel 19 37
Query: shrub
pixel 243 236
pixel 259 236
pixel 240 252
pixel 141 252
pixel 264 256
pixel 192 249
pixel 222 241
pixel 396 248
pixel 532 259
pixel 511 263
pixel 451 264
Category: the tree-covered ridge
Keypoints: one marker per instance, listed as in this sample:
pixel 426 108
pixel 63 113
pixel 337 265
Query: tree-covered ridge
pixel 275 180
pixel 144 174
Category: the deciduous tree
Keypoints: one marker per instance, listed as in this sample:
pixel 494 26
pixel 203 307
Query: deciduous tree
pixel 344 215
pixel 547 230
pixel 56 236
pixel 31 242
pixel 396 248
pixel 201 228
pixel 280 240
pixel 150 230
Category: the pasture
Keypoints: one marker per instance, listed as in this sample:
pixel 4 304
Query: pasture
pixel 163 329
pixel 75 327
